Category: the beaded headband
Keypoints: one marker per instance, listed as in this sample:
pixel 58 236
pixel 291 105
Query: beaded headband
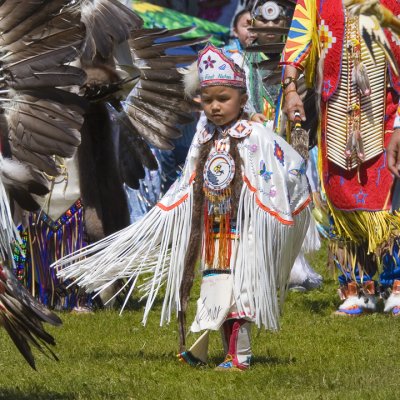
pixel 216 69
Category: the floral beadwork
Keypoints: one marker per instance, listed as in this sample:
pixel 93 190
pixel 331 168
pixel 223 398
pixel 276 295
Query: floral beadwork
pixel 253 148
pixel 209 62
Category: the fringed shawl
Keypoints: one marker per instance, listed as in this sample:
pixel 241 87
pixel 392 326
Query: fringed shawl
pixel 272 220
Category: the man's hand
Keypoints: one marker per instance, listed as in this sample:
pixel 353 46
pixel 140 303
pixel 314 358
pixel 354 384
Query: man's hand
pixel 393 153
pixel 292 104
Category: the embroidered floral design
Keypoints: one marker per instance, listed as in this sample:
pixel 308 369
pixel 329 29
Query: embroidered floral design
pixel 263 171
pixel 278 153
pixel 253 148
pixel 272 192
pixel 209 63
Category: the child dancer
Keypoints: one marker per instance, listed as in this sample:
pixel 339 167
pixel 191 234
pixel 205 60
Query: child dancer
pixel 240 206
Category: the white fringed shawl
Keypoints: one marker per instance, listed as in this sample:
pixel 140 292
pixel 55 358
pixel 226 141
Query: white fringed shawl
pixel 272 221
pixel 9 235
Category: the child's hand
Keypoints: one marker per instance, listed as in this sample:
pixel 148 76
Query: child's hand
pixel 257 117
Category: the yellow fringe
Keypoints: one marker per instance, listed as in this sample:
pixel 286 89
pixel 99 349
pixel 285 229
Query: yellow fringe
pixel 315 49
pixel 378 227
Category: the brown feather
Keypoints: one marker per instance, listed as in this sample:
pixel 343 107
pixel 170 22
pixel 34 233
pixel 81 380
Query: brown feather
pixel 22 317
pixel 163 114
pixel 61 76
pixel 177 105
pixel 68 37
pixel 107 23
pixel 43 163
pixel 164 62
pixel 12 12
pixel 152 137
pixel 165 75
pixel 152 122
pixel 149 38
pixel 159 49
pixel 173 90
pixel 39 23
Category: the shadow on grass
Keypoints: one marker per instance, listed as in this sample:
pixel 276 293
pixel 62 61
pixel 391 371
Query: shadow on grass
pixel 133 304
pixel 138 355
pixel 319 306
pixel 15 394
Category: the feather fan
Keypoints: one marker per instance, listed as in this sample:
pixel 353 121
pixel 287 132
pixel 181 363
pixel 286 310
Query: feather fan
pixel 22 317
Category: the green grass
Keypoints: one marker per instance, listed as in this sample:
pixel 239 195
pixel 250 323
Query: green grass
pixel 314 356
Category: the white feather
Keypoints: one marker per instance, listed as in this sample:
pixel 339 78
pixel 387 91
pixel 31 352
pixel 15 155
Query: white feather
pixel 13 172
pixel 191 79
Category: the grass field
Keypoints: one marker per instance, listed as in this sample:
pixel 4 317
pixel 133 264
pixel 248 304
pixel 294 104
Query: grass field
pixel 314 356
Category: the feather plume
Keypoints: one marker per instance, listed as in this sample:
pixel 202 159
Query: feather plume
pixel 39 63
pixel 61 76
pixel 71 37
pixel 371 34
pixel 151 121
pixel 48 123
pixel 130 165
pixel 191 79
pixel 151 136
pixel 16 174
pixel 39 24
pixel 43 163
pixel 159 49
pixel 168 118
pixel 177 105
pixel 22 317
pixel 173 90
pixel 149 37
pixel 273 78
pixel 107 23
pixel 13 12
pixel 167 75
pixel 136 142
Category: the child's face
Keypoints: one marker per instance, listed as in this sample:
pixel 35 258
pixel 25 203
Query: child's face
pixel 241 30
pixel 222 104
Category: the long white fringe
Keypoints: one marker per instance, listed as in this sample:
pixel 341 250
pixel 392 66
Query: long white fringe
pixel 9 234
pixel 154 246
pixel 263 266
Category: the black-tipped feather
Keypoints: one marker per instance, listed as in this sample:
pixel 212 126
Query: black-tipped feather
pixel 149 37
pixel 15 36
pixel 107 23
pixel 22 317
